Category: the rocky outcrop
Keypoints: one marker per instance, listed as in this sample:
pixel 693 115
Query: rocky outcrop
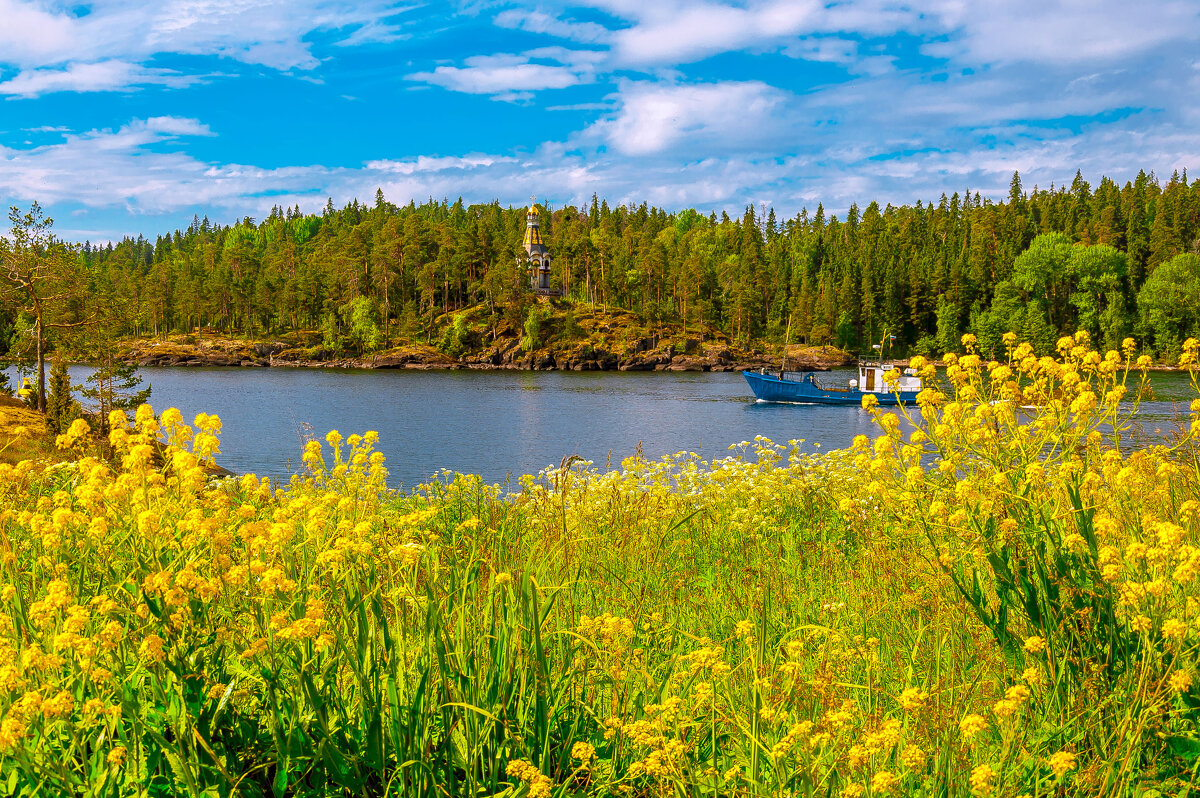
pixel 203 352
pixel 601 341
pixel 818 358
pixel 415 356
pixel 686 363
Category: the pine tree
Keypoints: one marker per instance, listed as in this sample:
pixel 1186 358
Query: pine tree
pixel 115 386
pixel 61 407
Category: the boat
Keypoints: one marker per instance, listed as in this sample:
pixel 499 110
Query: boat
pixel 803 387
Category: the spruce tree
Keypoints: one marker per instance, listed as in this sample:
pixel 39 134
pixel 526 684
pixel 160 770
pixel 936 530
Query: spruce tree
pixel 61 407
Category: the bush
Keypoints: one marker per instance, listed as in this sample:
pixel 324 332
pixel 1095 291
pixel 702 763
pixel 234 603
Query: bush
pixel 533 328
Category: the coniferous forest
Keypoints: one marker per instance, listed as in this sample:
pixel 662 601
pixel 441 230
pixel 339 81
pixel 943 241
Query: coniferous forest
pixel 1115 260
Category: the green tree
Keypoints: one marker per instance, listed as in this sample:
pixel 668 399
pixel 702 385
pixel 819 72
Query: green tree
pixel 1097 274
pixel 40 273
pixel 454 337
pixel 362 326
pixel 113 385
pixel 1169 303
pixel 61 407
pixel 949 331
pixel 533 328
pixel 1041 272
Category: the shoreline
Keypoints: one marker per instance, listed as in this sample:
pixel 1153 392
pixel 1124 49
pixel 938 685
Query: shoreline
pixel 648 353
pixel 643 354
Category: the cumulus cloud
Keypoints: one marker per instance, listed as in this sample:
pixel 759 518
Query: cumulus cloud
pixel 1069 32
pixel 107 168
pixel 493 74
pixel 672 32
pixel 652 117
pixel 676 33
pixel 514 76
pixel 101 76
pixel 540 22
pixel 425 164
pixel 144 168
pixel 33 36
pixel 56 49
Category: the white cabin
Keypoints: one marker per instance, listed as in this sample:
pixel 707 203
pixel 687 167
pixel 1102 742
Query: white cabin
pixel 870 379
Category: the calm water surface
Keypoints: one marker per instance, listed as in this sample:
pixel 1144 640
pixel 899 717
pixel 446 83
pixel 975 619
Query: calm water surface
pixel 491 423
pixel 502 423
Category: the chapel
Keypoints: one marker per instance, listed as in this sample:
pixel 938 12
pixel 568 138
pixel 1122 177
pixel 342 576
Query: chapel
pixel 537 253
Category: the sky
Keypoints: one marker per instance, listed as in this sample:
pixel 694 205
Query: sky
pixel 124 117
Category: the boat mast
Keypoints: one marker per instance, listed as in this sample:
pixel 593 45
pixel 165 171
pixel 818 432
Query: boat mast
pixel 786 334
pixel 883 343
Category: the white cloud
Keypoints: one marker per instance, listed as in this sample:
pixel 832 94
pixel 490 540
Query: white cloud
pixel 652 117
pixel 514 76
pixel 93 49
pixel 104 168
pixel 672 32
pixel 33 36
pixel 144 168
pixel 424 163
pixel 101 76
pixel 539 22
pixel 675 33
pixel 1066 32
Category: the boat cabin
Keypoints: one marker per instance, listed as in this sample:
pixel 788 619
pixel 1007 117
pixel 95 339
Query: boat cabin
pixel 870 379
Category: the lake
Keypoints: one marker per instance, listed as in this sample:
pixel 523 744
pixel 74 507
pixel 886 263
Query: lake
pixel 502 423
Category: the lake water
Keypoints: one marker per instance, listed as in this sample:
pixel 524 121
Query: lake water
pixel 502 423
pixel 491 423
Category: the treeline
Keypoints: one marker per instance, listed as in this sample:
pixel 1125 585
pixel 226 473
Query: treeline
pixel 1115 260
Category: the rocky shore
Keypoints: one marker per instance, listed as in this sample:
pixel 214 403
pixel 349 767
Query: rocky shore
pixel 555 335
pixel 637 354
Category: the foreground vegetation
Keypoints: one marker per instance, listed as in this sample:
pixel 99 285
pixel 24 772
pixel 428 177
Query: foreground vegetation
pixel 981 601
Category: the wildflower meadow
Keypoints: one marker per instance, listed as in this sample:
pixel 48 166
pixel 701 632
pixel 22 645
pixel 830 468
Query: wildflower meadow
pixel 996 596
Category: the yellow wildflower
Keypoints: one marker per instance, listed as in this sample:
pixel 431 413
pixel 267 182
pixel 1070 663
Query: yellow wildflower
pixel 1174 629
pixel 913 698
pixel 884 782
pixel 982 780
pixel 971 725
pixel 540 786
pixel 912 757
pixel 583 753
pixel 1061 763
pixel 152 648
pixel 12 733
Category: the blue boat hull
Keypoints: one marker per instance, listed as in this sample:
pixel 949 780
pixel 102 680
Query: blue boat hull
pixel 769 388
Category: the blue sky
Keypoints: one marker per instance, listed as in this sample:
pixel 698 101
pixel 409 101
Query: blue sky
pixel 126 117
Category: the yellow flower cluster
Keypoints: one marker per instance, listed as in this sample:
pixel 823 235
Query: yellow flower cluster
pixel 540 786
